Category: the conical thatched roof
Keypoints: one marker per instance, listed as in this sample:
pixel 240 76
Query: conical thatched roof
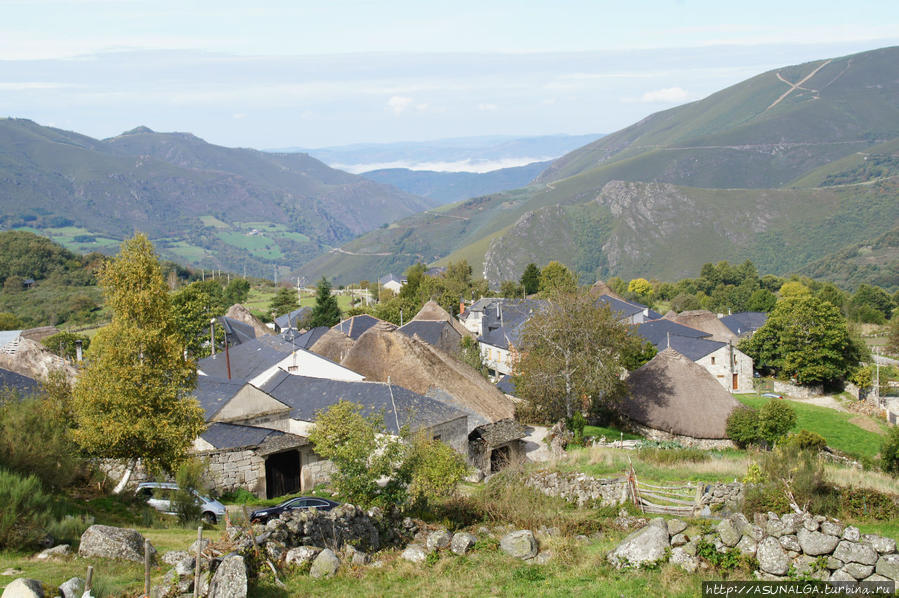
pixel 415 365
pixel 333 345
pixel 242 314
pixel 600 288
pixel 673 394
pixel 706 321
pixel 432 312
pixel 34 360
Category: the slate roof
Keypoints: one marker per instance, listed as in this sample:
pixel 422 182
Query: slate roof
pixel 238 332
pixel 248 359
pixel 745 322
pixel 213 393
pixel 430 331
pixel 506 384
pixel 357 325
pixel 230 436
pixel 693 348
pixel 658 331
pixel 24 385
pixel 289 320
pixel 308 338
pixel 627 308
pixel 504 329
pixel 307 396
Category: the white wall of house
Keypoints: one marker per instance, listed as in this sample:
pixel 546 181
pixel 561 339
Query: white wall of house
pixel 731 368
pixel 500 361
pixel 393 285
pixel 306 363
pixel 473 322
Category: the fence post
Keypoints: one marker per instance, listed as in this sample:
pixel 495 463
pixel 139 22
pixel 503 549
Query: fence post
pixel 89 579
pixel 197 561
pixel 147 568
pixel 697 507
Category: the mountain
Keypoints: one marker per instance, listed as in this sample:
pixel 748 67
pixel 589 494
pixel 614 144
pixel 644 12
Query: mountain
pixel 873 262
pixel 449 187
pixel 784 168
pixel 200 203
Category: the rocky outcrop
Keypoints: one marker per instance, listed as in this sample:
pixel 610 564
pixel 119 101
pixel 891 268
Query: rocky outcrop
pixel 113 543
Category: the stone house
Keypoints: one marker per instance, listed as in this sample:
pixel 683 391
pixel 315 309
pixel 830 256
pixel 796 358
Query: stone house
pixel 498 323
pixel 493 446
pixel 392 282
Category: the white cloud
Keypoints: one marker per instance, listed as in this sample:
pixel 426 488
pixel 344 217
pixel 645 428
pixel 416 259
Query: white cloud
pixel 486 107
pixel 399 104
pixel 238 116
pixel 667 95
pixel 469 165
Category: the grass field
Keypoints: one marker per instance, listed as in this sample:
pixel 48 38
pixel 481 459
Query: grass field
pixel 261 297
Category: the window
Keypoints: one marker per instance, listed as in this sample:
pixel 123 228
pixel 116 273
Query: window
pixel 713 360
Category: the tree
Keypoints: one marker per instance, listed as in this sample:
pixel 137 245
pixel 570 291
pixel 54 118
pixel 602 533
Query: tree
pixel 132 401
pixel 9 321
pixel 743 426
pixel 761 300
pixel 511 289
pixel 192 309
pixel 530 279
pixel 557 279
pixel 776 419
pixel 640 287
pixel 893 339
pixel 435 469
pixel 572 356
pixel 284 301
pixel 870 305
pixel 804 338
pixel 326 312
pixel 64 344
pixel 237 291
pixel 889 452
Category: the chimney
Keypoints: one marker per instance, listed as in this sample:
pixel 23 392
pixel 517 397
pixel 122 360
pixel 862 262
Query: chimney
pixel 78 350
pixel 461 307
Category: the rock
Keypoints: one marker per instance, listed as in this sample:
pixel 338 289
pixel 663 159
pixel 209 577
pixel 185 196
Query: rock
pixel 728 533
pixel 462 542
pixel 852 534
pixel 771 557
pixel 201 543
pixel 790 543
pixel 775 528
pixel 72 588
pixel 301 555
pixel 684 560
pixel 23 588
pixel 438 540
pixel 60 551
pixel 840 575
pixel 888 566
pixel 173 557
pixel 109 542
pixel 832 528
pixel 415 553
pixel 811 524
pixel 834 564
pixel 853 552
pixel 172 583
pixel 679 540
pixel 12 572
pixel 816 543
pixel 803 564
pixel 520 544
pixel 581 539
pixel 880 544
pixel 325 564
pixel 858 571
pixel 543 557
pixel 747 546
pixel 275 550
pixel 647 545
pixel 230 579
pixel 876 577
pixel 690 547
pixel 185 566
pixel 676 526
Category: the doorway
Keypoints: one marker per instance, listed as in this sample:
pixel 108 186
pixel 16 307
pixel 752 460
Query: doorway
pixel 282 474
pixel 499 458
pixel 736 382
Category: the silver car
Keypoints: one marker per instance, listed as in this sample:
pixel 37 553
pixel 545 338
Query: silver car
pixel 160 496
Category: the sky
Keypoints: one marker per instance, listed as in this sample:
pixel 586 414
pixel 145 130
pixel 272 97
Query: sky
pixel 273 74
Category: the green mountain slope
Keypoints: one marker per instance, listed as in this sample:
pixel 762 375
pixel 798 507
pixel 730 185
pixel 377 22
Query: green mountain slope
pixel 200 203
pixel 872 262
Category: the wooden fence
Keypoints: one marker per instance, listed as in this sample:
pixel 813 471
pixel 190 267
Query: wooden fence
pixel 684 500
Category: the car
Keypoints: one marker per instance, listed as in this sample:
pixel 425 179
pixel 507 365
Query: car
pixel 160 496
pixel 299 503
pixel 771 395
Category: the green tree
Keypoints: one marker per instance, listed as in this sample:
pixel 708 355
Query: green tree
pixel 893 338
pixel 761 300
pixel 557 279
pixel 743 426
pixel 192 309
pixel 132 401
pixel 889 452
pixel 284 301
pixel 572 354
pixel 237 291
pixel 435 469
pixel 9 321
pixel 511 289
pixel 326 312
pixel 776 419
pixel 530 279
pixel 63 344
pixel 804 338
pixel 640 287
pixel 871 305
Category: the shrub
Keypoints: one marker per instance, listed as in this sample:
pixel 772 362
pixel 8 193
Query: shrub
pixel 889 452
pixel 807 441
pixel 25 510
pixel 189 478
pixel 435 469
pixel 63 344
pixel 788 472
pixel 576 424
pixel 868 505
pixel 776 419
pixel 68 530
pixel 673 456
pixel 743 426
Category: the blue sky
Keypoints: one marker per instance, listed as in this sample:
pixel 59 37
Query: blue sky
pixel 275 74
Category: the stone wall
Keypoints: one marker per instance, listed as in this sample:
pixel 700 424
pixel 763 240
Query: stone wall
pixel 799 392
pixel 720 495
pixel 580 488
pixel 688 441
pixel 228 471
pixel 454 433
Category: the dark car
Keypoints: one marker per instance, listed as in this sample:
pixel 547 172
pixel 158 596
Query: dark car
pixel 294 504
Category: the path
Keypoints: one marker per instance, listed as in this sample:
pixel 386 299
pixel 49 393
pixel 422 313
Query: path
pixel 344 251
pixel 534 446
pixel 823 401
pixel 795 86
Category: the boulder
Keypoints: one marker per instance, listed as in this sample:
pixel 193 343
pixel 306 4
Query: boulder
pixel 888 566
pixel 679 540
pixel 301 555
pixel 185 566
pixel 684 560
pixel 543 557
pixel 173 557
pixel 438 540
pixel 23 588
pixel 325 564
pixel 747 546
pixel 72 588
pixel 816 543
pixel 462 542
pixel 854 552
pixel 857 570
pixel 771 557
pixel 876 577
pixel 109 542
pixel 833 564
pixel 880 544
pixel 60 551
pixel 852 534
pixel 415 553
pixel 522 544
pixel 676 526
pixel 646 545
pixel 230 579
pixel 805 565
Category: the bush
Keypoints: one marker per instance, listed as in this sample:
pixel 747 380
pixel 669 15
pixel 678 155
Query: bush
pixel 672 456
pixel 788 471
pixel 743 426
pixel 576 424
pixel 865 504
pixel 69 529
pixel 189 478
pixel 63 344
pixel 889 452
pixel 25 511
pixel 805 440
pixel 435 469
pixel 776 419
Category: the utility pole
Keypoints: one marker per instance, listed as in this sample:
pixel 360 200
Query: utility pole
pixel 877 376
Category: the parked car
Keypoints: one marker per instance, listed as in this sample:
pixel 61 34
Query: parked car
pixel 771 395
pixel 160 496
pixel 294 504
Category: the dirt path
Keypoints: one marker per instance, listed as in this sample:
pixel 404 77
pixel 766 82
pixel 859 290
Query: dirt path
pixel 825 401
pixel 795 86
pixel 534 447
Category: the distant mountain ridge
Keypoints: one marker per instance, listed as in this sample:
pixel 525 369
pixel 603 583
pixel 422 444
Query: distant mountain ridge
pixel 784 168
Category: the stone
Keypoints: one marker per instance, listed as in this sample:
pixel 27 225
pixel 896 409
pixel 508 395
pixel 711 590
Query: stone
pixel 109 542
pixel 646 545
pixel 301 555
pixel 816 543
pixel 325 564
pixel 521 544
pixel 791 522
pixel 857 570
pixel 201 543
pixel 185 566
pixel 880 544
pixel 60 551
pixel 438 540
pixel 790 543
pixel 415 553
pixel 690 547
pixel 679 540
pixel 23 588
pixel 811 524
pixel 805 565
pixel 888 566
pixel 832 528
pixel 775 528
pixel 852 534
pixel 771 557
pixel 275 550
pixel 834 564
pixel 747 546
pixel 543 557
pixel 876 577
pixel 684 560
pixel 72 588
pixel 173 557
pixel 12 572
pixel 230 579
pixel 853 552
pixel 676 526
pixel 841 575
pixel 728 533
pixel 462 542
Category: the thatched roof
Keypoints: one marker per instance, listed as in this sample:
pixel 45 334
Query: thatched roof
pixel 673 394
pixel 706 321
pixel 383 352
pixel 242 314
pixel 34 360
pixel 432 312
pixel 600 288
pixel 333 345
